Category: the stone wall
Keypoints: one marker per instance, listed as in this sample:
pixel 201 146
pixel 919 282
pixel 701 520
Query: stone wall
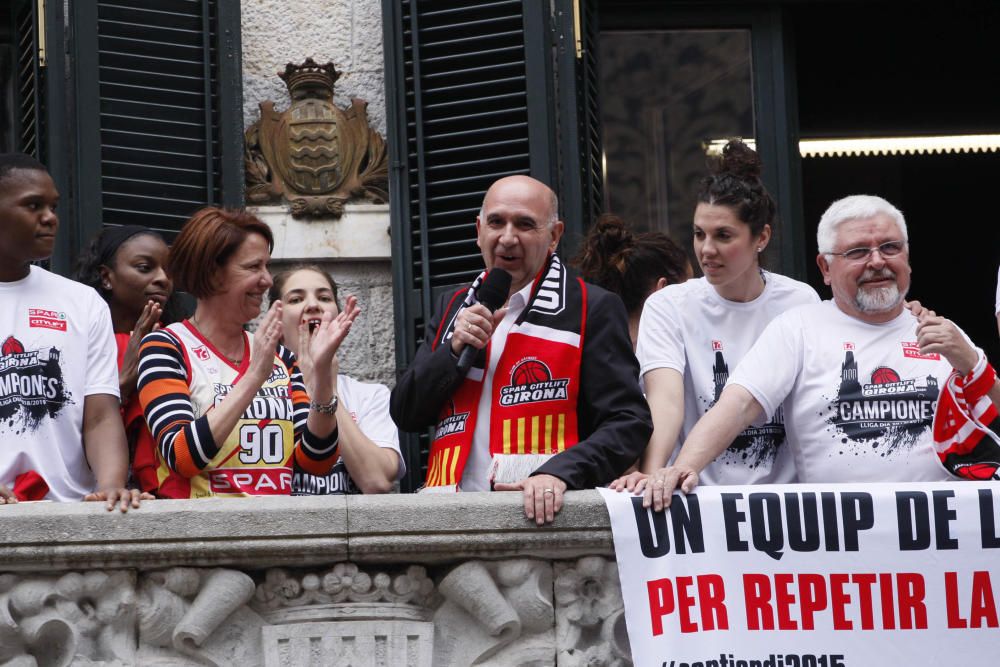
pixel 348 33
pixel 367 580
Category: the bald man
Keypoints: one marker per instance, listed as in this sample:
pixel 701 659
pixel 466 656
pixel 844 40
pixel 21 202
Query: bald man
pixel 555 386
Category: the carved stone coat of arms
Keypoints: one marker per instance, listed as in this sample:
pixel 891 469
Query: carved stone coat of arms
pixel 315 155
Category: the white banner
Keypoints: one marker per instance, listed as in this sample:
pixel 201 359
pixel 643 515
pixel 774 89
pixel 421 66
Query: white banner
pixel 823 575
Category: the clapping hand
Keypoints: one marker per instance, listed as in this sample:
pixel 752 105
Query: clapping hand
pixel 149 320
pixel 325 340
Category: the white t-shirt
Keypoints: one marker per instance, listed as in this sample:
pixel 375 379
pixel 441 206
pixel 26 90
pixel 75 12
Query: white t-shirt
pixel 476 476
pixel 57 348
pixel 368 405
pixel 859 398
pixel 690 328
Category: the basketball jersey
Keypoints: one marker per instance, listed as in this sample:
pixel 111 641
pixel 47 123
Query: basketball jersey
pixel 256 458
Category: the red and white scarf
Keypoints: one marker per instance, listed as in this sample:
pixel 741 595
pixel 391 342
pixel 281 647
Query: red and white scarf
pixel 966 424
pixel 535 384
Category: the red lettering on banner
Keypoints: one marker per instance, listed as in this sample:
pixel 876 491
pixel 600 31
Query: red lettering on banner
pixel 867 611
pixel 661 602
pixel 712 596
pixel 757 596
pixel 786 601
pixel 666 597
pixel 982 605
pixel 839 599
pixel 888 614
pixel 684 604
pixel 912 610
pixel 812 590
pixel 252 481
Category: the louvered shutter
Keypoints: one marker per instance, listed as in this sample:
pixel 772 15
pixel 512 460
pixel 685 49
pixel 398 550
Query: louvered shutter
pixel 29 100
pixel 470 98
pixel 159 115
pixel 580 145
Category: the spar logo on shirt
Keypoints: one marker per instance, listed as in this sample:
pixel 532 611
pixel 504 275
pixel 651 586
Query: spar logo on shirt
pixel 531 382
pixel 43 318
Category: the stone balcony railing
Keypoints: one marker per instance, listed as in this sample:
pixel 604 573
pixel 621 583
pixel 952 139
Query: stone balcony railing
pixel 367 580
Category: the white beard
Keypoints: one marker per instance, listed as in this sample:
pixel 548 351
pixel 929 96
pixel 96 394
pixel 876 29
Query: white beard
pixel 879 299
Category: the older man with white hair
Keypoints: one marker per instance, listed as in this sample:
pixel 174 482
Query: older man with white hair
pixel 858 377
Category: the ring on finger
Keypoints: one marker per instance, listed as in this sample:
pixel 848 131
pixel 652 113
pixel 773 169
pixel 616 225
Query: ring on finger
pixel 548 491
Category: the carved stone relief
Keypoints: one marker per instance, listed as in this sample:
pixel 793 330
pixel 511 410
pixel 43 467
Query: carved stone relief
pixel 590 616
pixel 490 613
pixel 73 618
pixel 496 614
pixel 345 616
pixel 192 616
pixel 315 155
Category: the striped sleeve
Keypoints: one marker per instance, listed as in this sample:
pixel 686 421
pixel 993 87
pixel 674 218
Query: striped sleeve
pixel 185 443
pixel 313 454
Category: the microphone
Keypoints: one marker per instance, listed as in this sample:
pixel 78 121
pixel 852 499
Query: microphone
pixel 492 293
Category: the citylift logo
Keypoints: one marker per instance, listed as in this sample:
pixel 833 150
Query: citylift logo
pixel 31 386
pixel 531 382
pixel 452 423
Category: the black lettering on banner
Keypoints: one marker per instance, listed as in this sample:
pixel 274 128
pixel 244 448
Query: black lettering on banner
pixel 832 535
pixel 685 522
pixel 913 520
pixel 859 514
pixel 803 527
pixel 943 516
pixel 765 524
pixel 988 520
pixel 732 518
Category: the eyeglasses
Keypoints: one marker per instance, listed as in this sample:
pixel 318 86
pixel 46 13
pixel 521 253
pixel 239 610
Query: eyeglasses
pixel 887 249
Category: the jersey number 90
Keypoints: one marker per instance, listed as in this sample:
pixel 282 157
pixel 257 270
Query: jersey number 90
pixel 261 444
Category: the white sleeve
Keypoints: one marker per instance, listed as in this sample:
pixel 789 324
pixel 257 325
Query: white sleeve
pixel 102 354
pixel 769 370
pixel 660 342
pixel 998 292
pixel 375 422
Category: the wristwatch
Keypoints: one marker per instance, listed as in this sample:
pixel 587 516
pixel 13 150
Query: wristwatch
pixel 326 408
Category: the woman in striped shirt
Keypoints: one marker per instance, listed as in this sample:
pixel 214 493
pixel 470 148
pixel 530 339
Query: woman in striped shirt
pixel 228 409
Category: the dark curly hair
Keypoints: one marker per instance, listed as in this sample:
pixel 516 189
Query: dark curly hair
pixel 102 250
pixel 735 182
pixel 627 263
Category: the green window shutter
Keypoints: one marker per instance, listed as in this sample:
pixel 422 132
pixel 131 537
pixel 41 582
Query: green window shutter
pixel 29 100
pixel 158 118
pixel 580 145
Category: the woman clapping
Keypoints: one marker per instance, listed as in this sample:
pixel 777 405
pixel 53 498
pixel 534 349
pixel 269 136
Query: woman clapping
pixel 228 410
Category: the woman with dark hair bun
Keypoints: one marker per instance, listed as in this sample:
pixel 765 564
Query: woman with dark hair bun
pixel 127 267
pixel 631 265
pixel 692 334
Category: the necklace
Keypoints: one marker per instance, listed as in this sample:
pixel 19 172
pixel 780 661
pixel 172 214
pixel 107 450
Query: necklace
pixel 235 361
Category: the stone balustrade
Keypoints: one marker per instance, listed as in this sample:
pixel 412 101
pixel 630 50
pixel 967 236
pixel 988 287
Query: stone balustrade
pixel 367 580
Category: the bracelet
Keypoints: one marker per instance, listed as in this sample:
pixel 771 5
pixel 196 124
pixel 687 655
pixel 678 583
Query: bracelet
pixel 326 408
